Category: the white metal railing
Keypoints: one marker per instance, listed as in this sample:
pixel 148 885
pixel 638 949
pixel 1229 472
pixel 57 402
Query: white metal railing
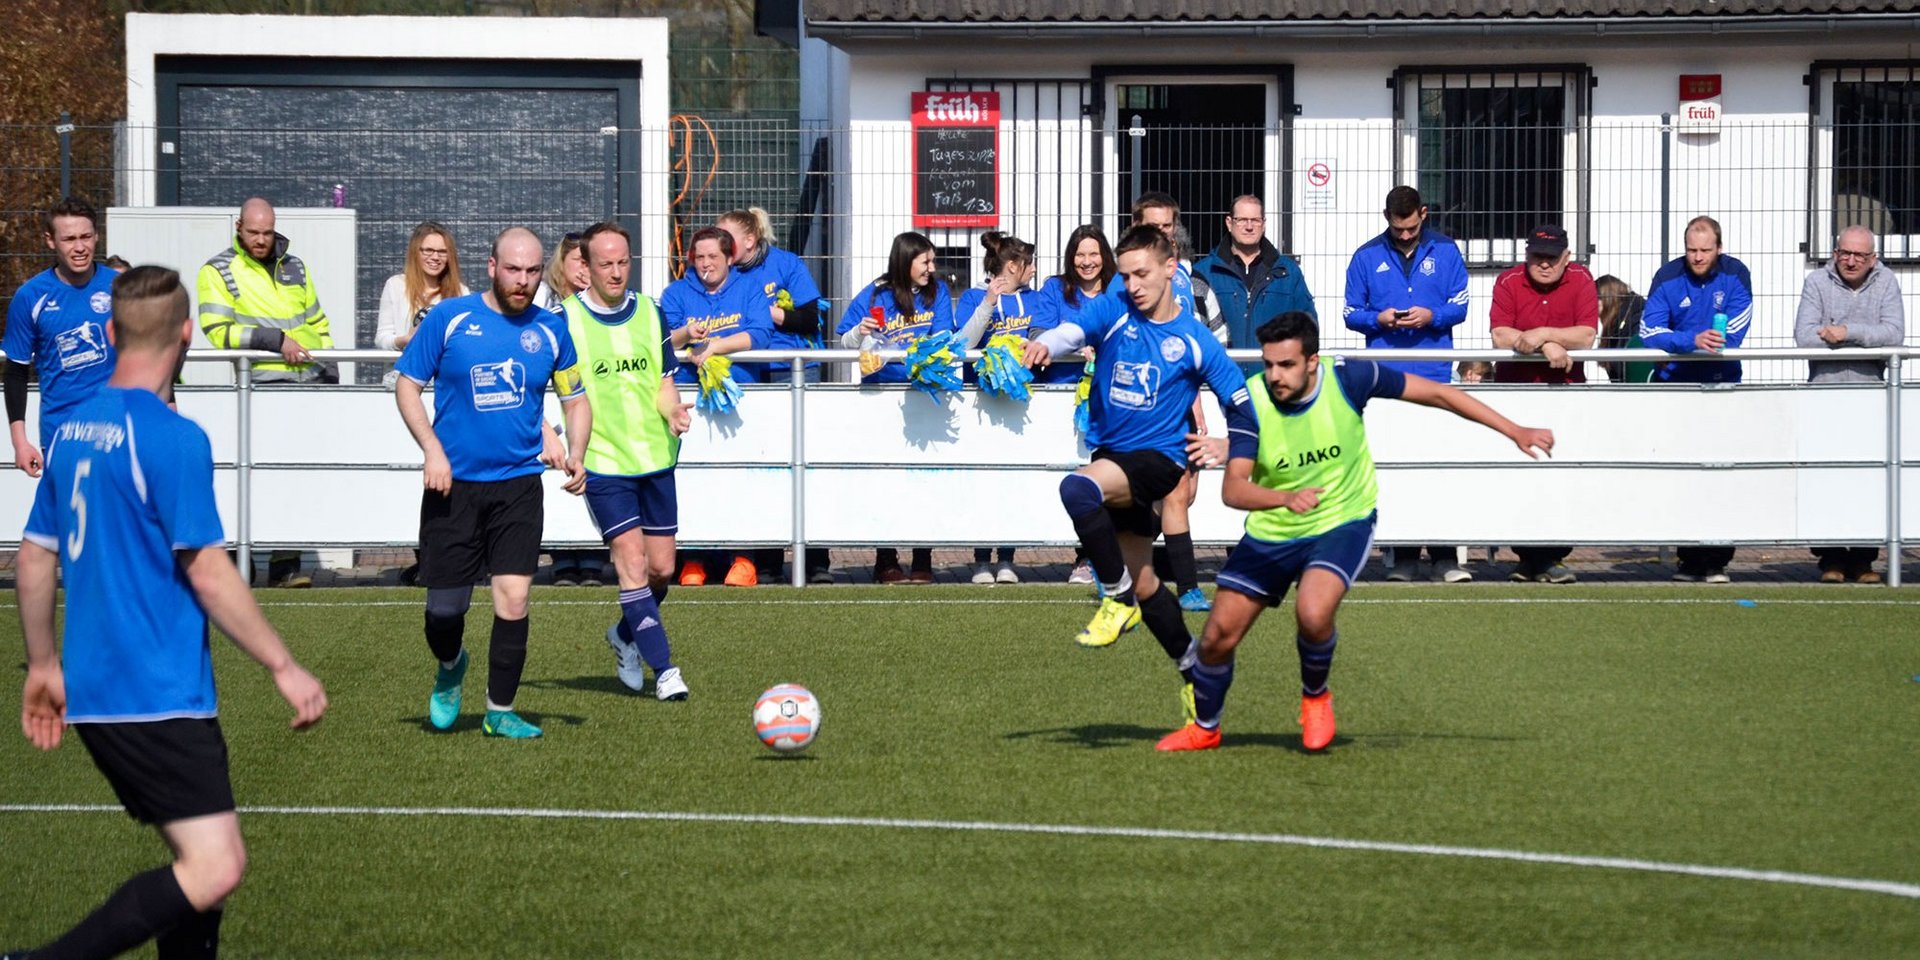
pixel 768 463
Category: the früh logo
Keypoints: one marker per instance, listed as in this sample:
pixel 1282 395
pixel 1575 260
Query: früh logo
pixel 980 108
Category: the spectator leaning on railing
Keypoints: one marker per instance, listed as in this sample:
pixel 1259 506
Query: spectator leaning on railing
pixel 1545 306
pixel 1853 301
pixel 1701 301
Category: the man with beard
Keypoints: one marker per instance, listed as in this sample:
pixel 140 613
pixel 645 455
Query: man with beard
pixel 1307 483
pixel 482 511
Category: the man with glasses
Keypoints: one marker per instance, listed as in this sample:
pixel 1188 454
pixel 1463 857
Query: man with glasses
pixel 1407 290
pixel 1853 301
pixel 1685 306
pixel 1252 281
pixel 254 295
pixel 1544 307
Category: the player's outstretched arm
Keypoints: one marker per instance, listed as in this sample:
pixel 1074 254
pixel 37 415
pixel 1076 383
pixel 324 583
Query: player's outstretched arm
pixel 43 703
pixel 230 605
pixel 1240 492
pixel 679 417
pixel 1427 393
pixel 579 433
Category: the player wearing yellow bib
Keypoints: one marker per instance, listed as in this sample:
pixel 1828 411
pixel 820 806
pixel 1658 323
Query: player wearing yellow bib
pixel 1308 486
pixel 627 365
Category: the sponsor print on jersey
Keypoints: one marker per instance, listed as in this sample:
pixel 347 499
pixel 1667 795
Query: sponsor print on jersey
pixel 1134 385
pixel 605 368
pixel 499 386
pixel 81 347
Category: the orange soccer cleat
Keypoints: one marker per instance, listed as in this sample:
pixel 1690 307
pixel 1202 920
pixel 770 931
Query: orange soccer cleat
pixel 743 573
pixel 1190 737
pixel 693 573
pixel 1316 720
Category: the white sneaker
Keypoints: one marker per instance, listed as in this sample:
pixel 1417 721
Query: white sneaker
pixel 1455 575
pixel 1717 575
pixel 982 573
pixel 669 686
pixel 1005 574
pixel 1082 573
pixel 632 672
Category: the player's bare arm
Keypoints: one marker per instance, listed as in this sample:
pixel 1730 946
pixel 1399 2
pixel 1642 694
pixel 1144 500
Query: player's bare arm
pixel 229 604
pixel 437 471
pixel 1532 441
pixel 1240 492
pixel 43 702
pixel 579 416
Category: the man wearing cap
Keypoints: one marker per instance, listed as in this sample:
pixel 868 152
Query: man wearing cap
pixel 1544 307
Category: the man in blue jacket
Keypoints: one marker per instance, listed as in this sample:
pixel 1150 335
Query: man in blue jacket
pixel 1407 290
pixel 1252 281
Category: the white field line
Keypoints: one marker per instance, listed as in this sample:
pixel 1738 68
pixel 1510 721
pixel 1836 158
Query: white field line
pixel 1889 887
pixel 539 601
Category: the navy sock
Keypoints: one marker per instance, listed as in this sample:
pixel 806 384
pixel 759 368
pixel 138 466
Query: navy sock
pixel 196 938
pixel 1210 683
pixel 145 905
pixel 659 592
pixel 1186 574
pixel 506 658
pixel 1161 613
pixel 640 617
pixel 1316 661
pixel 1086 506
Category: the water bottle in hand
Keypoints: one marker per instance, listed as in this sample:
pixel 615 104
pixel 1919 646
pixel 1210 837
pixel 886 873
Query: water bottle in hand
pixel 1720 327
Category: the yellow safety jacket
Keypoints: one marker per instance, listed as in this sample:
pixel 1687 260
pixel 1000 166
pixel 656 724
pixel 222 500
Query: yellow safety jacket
pixel 249 305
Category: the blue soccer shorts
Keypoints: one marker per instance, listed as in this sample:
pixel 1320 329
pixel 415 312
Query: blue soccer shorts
pixel 1265 569
pixel 619 504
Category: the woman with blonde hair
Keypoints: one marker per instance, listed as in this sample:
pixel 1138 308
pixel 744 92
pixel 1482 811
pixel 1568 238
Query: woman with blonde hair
pixel 431 274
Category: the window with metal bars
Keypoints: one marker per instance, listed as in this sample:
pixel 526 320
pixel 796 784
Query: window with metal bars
pixel 1866 156
pixel 1494 153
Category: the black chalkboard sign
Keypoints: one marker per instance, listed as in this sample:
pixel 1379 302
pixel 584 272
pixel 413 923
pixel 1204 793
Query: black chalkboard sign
pixel 956 177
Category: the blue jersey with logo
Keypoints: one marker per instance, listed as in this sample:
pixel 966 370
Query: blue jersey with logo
pixel 932 313
pixel 737 307
pixel 780 273
pixel 490 375
pixel 128 482
pixel 1146 376
pixel 62 330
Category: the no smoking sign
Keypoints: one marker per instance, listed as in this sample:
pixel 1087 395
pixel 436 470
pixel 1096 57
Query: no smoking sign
pixel 1319 192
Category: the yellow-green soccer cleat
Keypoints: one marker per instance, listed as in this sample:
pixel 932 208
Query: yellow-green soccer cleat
pixel 1109 622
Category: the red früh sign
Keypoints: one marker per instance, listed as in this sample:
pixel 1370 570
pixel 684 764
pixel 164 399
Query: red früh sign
pixel 1699 86
pixel 956 159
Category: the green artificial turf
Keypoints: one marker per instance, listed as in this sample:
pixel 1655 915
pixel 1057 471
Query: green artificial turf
pixel 1673 725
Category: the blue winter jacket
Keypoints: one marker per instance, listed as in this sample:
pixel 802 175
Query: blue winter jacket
pixel 1435 277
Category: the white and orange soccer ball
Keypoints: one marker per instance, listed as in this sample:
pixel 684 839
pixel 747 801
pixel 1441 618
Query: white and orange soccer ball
pixel 787 717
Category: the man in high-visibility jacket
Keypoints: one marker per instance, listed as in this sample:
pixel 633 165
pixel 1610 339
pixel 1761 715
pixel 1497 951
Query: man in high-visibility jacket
pixel 254 295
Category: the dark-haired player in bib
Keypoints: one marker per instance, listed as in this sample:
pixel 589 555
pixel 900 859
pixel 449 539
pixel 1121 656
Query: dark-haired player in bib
pixel 1308 486
pixel 1151 357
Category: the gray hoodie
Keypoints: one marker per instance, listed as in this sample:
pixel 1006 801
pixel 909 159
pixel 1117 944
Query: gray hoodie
pixel 1872 314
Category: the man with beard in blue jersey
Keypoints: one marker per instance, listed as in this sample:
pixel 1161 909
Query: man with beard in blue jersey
pixel 1151 357
pixel 490 355
pixel 58 322
pixel 126 516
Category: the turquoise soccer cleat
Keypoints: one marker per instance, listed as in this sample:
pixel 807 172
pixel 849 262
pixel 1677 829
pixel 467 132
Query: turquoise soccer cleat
pixel 444 706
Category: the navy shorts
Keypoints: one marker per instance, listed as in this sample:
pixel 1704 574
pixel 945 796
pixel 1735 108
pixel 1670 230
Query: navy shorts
pixel 1264 569
pixel 163 770
pixel 619 504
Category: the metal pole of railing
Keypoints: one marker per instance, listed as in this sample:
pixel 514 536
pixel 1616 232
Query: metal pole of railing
pixel 1138 134
pixel 243 470
pixel 797 570
pixel 1894 469
pixel 610 171
pixel 65 129
pixel 1666 185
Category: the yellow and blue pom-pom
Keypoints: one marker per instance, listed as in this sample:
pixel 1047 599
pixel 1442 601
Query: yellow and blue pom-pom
pixel 718 392
pixel 1000 369
pixel 932 367
pixel 1082 406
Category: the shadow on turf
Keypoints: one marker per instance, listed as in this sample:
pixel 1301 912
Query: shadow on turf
pixel 468 722
pixel 590 683
pixel 1100 736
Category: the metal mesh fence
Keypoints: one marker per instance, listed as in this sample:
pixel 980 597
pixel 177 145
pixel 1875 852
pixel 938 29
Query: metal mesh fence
pixel 1623 189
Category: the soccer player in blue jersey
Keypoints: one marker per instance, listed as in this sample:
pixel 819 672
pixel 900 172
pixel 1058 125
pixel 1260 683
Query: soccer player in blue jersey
pixel 58 321
pixel 489 355
pixel 1306 480
pixel 126 510
pixel 1150 358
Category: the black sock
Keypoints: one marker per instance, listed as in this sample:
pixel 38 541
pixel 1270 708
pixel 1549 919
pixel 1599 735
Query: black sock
pixel 1180 557
pixel 1102 544
pixel 196 938
pixel 443 636
pixel 143 906
pixel 506 657
pixel 1161 613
